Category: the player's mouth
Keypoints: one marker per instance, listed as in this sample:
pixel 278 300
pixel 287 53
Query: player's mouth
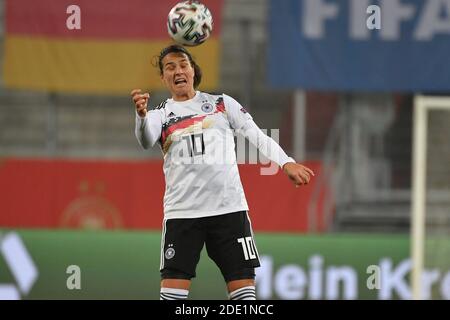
pixel 180 82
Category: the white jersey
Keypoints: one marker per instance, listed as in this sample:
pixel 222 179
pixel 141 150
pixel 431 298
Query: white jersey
pixel 197 140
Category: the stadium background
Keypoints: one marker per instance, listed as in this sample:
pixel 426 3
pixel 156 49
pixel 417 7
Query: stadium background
pixel 76 189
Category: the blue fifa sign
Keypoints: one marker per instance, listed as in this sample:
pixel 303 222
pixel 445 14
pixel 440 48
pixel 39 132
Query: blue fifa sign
pixel 329 45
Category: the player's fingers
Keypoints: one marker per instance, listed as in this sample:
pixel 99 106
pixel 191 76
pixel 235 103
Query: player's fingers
pixel 297 180
pixel 145 96
pixel 298 184
pixel 304 177
pixel 135 91
pixel 293 179
pixel 309 170
pixel 141 102
pixel 142 110
pixel 137 97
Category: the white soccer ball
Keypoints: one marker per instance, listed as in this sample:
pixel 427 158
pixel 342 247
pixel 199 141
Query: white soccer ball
pixel 189 23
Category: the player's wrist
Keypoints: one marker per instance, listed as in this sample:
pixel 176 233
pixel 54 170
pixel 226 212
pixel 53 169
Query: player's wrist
pixel 139 115
pixel 286 165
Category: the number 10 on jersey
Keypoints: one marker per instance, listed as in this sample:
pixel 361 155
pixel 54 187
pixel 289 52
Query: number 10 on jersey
pixel 195 144
pixel 247 247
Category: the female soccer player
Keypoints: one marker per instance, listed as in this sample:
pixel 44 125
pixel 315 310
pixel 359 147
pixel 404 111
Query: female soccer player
pixel 204 202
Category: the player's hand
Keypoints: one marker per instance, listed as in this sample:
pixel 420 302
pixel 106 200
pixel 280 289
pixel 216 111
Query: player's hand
pixel 140 101
pixel 298 173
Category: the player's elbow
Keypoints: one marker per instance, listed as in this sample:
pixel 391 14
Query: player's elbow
pixel 144 145
pixel 143 142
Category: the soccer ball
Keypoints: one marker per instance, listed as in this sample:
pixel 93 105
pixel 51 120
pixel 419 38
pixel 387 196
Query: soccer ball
pixel 189 23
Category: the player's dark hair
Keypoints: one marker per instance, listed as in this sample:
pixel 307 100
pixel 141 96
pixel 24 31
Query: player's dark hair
pixel 175 48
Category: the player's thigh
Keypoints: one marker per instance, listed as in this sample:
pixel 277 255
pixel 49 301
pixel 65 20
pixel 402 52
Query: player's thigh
pixel 181 244
pixel 230 243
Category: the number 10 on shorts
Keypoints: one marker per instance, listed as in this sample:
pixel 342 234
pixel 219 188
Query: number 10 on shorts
pixel 247 247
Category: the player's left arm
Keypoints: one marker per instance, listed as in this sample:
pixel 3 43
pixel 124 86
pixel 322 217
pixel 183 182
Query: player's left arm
pixel 297 173
pixel 242 122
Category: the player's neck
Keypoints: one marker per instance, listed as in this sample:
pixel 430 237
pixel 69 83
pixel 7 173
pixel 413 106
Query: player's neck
pixel 184 96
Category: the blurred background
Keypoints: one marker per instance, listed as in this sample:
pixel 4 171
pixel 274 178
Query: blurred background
pixel 81 202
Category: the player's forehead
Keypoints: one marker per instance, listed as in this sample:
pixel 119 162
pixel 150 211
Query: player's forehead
pixel 174 58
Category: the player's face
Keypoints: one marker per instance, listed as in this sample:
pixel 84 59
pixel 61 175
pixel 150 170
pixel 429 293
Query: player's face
pixel 178 76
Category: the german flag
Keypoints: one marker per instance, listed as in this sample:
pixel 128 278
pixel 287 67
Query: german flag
pixel 111 53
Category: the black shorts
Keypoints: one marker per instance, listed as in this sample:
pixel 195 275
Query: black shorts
pixel 229 243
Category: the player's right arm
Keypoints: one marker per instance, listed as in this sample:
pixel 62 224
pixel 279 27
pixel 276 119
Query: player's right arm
pixel 148 123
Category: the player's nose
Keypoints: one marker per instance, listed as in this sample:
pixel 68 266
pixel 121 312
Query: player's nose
pixel 178 70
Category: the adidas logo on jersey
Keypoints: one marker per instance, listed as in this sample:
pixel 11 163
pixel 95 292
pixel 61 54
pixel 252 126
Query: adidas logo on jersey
pixel 171 115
